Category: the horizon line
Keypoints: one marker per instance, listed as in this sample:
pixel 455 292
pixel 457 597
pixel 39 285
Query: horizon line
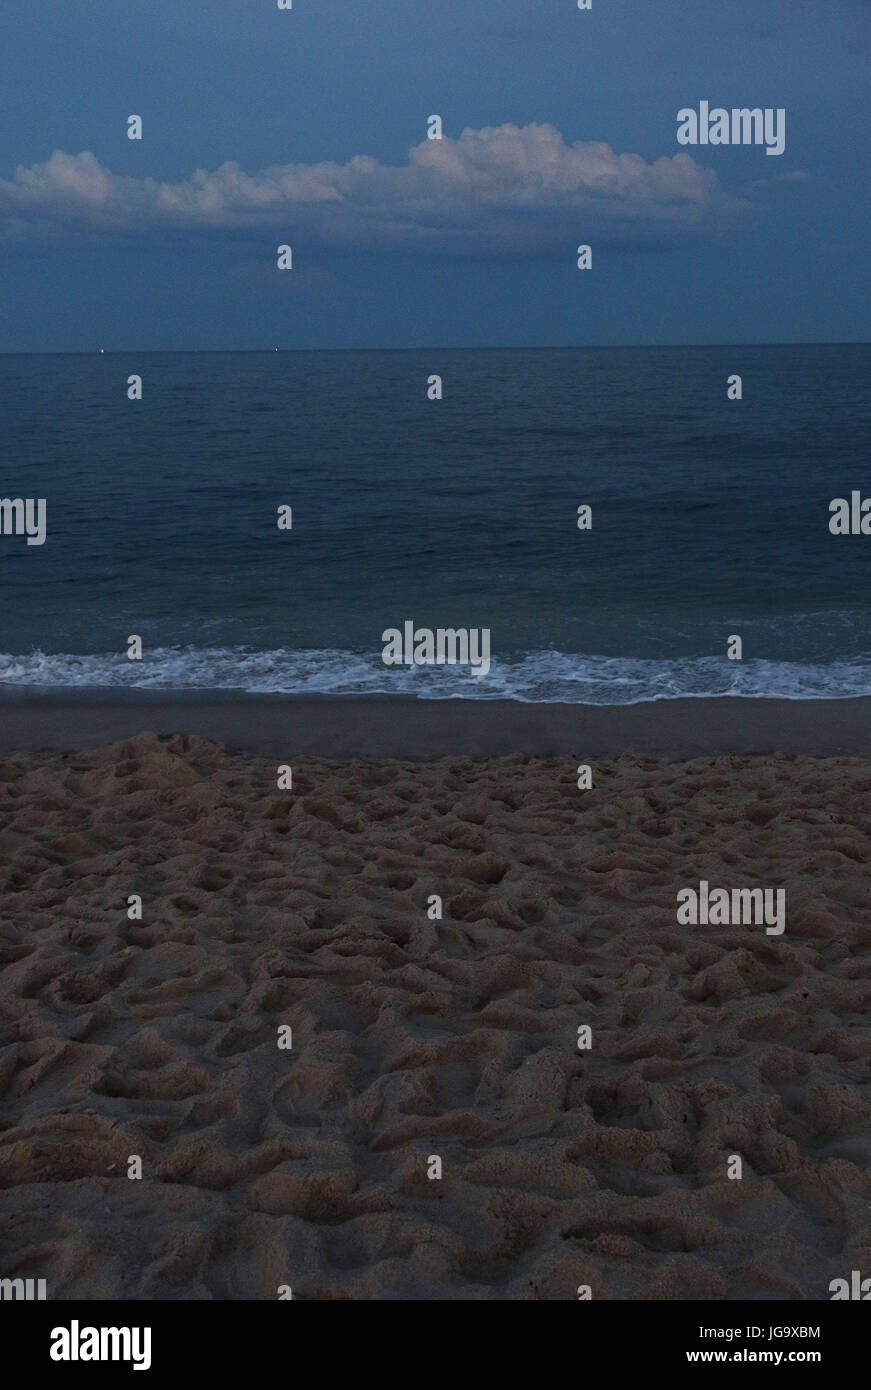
pixel 504 347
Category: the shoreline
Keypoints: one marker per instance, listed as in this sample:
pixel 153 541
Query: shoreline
pixel 397 726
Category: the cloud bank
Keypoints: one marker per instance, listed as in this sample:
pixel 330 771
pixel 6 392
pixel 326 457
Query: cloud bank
pixel 499 189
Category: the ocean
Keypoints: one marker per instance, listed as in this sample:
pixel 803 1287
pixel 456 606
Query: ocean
pixel 710 518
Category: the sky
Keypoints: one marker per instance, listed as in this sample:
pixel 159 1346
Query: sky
pixel 307 127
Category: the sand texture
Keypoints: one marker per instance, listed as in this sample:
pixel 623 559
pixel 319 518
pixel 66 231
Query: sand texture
pixel 413 1037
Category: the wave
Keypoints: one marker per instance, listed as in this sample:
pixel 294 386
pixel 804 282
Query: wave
pixel 540 677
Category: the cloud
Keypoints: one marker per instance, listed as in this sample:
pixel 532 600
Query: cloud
pixel 503 189
pixel 789 182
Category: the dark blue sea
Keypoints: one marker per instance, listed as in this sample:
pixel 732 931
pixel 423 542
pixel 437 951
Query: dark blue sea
pixel 710 518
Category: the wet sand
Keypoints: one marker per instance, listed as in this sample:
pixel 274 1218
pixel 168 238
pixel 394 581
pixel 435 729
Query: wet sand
pixel 396 727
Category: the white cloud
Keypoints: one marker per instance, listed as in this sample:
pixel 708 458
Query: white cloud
pixel 502 188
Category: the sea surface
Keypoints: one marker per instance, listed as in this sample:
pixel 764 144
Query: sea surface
pixel 710 519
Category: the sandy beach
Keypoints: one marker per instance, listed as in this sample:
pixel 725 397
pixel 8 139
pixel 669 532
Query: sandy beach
pixel 414 1037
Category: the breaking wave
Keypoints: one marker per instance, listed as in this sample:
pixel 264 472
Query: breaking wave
pixel 538 677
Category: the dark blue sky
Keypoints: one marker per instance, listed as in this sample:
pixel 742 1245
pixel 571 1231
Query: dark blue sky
pixel 570 136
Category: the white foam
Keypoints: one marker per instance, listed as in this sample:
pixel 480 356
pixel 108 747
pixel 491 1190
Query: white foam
pixel 546 676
